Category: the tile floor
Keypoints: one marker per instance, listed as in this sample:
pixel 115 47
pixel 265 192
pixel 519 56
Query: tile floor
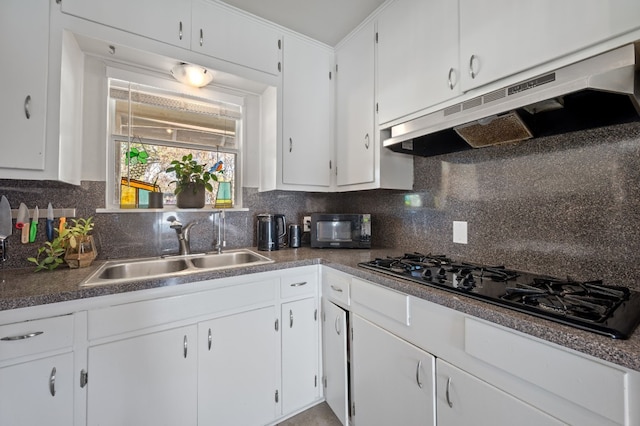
pixel 320 415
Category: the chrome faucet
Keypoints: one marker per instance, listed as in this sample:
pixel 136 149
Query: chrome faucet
pixel 183 234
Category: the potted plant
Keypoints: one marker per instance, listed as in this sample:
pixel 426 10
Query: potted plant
pixel 72 245
pixel 192 180
pixel 81 249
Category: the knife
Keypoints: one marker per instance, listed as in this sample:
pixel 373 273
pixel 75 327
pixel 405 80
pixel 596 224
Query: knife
pixel 5 225
pixel 24 237
pixel 33 230
pixel 49 223
pixel 23 216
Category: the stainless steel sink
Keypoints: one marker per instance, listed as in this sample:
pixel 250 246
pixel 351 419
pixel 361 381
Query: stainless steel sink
pixel 226 260
pixel 114 272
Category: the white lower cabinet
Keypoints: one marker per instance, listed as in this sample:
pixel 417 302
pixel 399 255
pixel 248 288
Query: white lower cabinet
pixel 335 360
pixel 300 352
pixel 393 381
pixel 37 392
pixel 463 399
pixel 237 360
pixel 145 380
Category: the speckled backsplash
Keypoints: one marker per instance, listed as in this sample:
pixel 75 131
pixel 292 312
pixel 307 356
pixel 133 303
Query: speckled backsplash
pixel 561 205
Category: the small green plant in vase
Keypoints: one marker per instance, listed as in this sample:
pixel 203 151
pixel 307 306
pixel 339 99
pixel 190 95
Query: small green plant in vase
pixel 192 180
pixel 72 245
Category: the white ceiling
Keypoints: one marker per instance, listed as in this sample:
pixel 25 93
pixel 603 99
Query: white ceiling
pixel 328 21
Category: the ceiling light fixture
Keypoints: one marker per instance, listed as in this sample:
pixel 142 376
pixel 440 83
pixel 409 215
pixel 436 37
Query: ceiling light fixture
pixel 192 75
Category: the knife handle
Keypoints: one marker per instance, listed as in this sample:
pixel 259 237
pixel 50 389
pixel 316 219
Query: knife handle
pixel 24 237
pixel 33 230
pixel 49 229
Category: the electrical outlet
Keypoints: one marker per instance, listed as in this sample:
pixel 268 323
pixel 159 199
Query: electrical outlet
pixel 306 224
pixel 460 232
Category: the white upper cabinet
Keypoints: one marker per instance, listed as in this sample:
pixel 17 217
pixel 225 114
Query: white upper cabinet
pixel 360 160
pixel 226 34
pixel 355 108
pixel 24 31
pixel 417 56
pixel 168 21
pixel 307 114
pixel 512 36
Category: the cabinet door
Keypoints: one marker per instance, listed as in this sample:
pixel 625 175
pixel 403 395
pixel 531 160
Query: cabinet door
pixel 237 369
pixel 417 56
pixel 168 21
pixel 24 43
pixel 307 113
pixel 300 352
pixel 355 106
pixel 37 392
pixel 464 400
pixel 228 35
pixel 145 380
pixel 334 339
pixel 512 36
pixel 394 382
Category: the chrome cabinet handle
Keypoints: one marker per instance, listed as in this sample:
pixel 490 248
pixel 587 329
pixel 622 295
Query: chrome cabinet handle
pixel 418 374
pixel 290 144
pixel 334 288
pixel 186 346
pixel 201 36
pixel 279 66
pixel 366 141
pixel 471 72
pixel 22 336
pixel 336 325
pixel 180 31
pixel 447 393
pixel 209 339
pixel 277 324
pixel 52 382
pixel 300 284
pixel 290 318
pixel 450 81
pixel 27 105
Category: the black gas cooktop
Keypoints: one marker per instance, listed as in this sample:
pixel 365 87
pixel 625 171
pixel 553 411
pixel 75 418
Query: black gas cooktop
pixel 590 305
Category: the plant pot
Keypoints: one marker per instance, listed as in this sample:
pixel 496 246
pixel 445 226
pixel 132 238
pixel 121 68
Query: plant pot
pixel 156 200
pixel 83 254
pixel 191 196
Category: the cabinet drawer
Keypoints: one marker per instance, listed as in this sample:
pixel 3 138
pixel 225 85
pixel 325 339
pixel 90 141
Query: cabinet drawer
pixel 389 303
pixel 139 315
pixel 298 285
pixel 590 384
pixel 37 336
pixel 335 286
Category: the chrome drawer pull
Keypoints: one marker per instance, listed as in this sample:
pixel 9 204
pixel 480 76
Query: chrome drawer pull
pixel 52 382
pixel 210 338
pixel 336 325
pixel 27 104
pixel 290 318
pixel 418 374
pixel 299 284
pixel 447 393
pixel 180 31
pixel 21 337
pixel 185 346
pixel 334 288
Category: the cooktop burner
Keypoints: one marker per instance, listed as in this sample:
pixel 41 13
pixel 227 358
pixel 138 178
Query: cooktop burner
pixel 610 310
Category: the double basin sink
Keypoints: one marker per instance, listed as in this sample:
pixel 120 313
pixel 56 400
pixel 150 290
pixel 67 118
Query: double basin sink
pixel 114 272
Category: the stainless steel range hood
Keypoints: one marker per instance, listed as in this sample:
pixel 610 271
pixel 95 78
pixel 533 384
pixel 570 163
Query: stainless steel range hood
pixel 598 91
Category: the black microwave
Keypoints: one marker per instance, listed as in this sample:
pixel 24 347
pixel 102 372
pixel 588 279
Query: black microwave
pixel 340 230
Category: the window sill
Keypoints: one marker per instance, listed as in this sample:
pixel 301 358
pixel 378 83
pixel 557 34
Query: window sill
pixel 169 209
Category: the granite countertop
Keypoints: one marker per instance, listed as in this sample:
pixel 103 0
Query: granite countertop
pixel 20 288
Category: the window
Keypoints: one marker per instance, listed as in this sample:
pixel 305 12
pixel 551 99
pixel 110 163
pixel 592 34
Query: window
pixel 150 126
